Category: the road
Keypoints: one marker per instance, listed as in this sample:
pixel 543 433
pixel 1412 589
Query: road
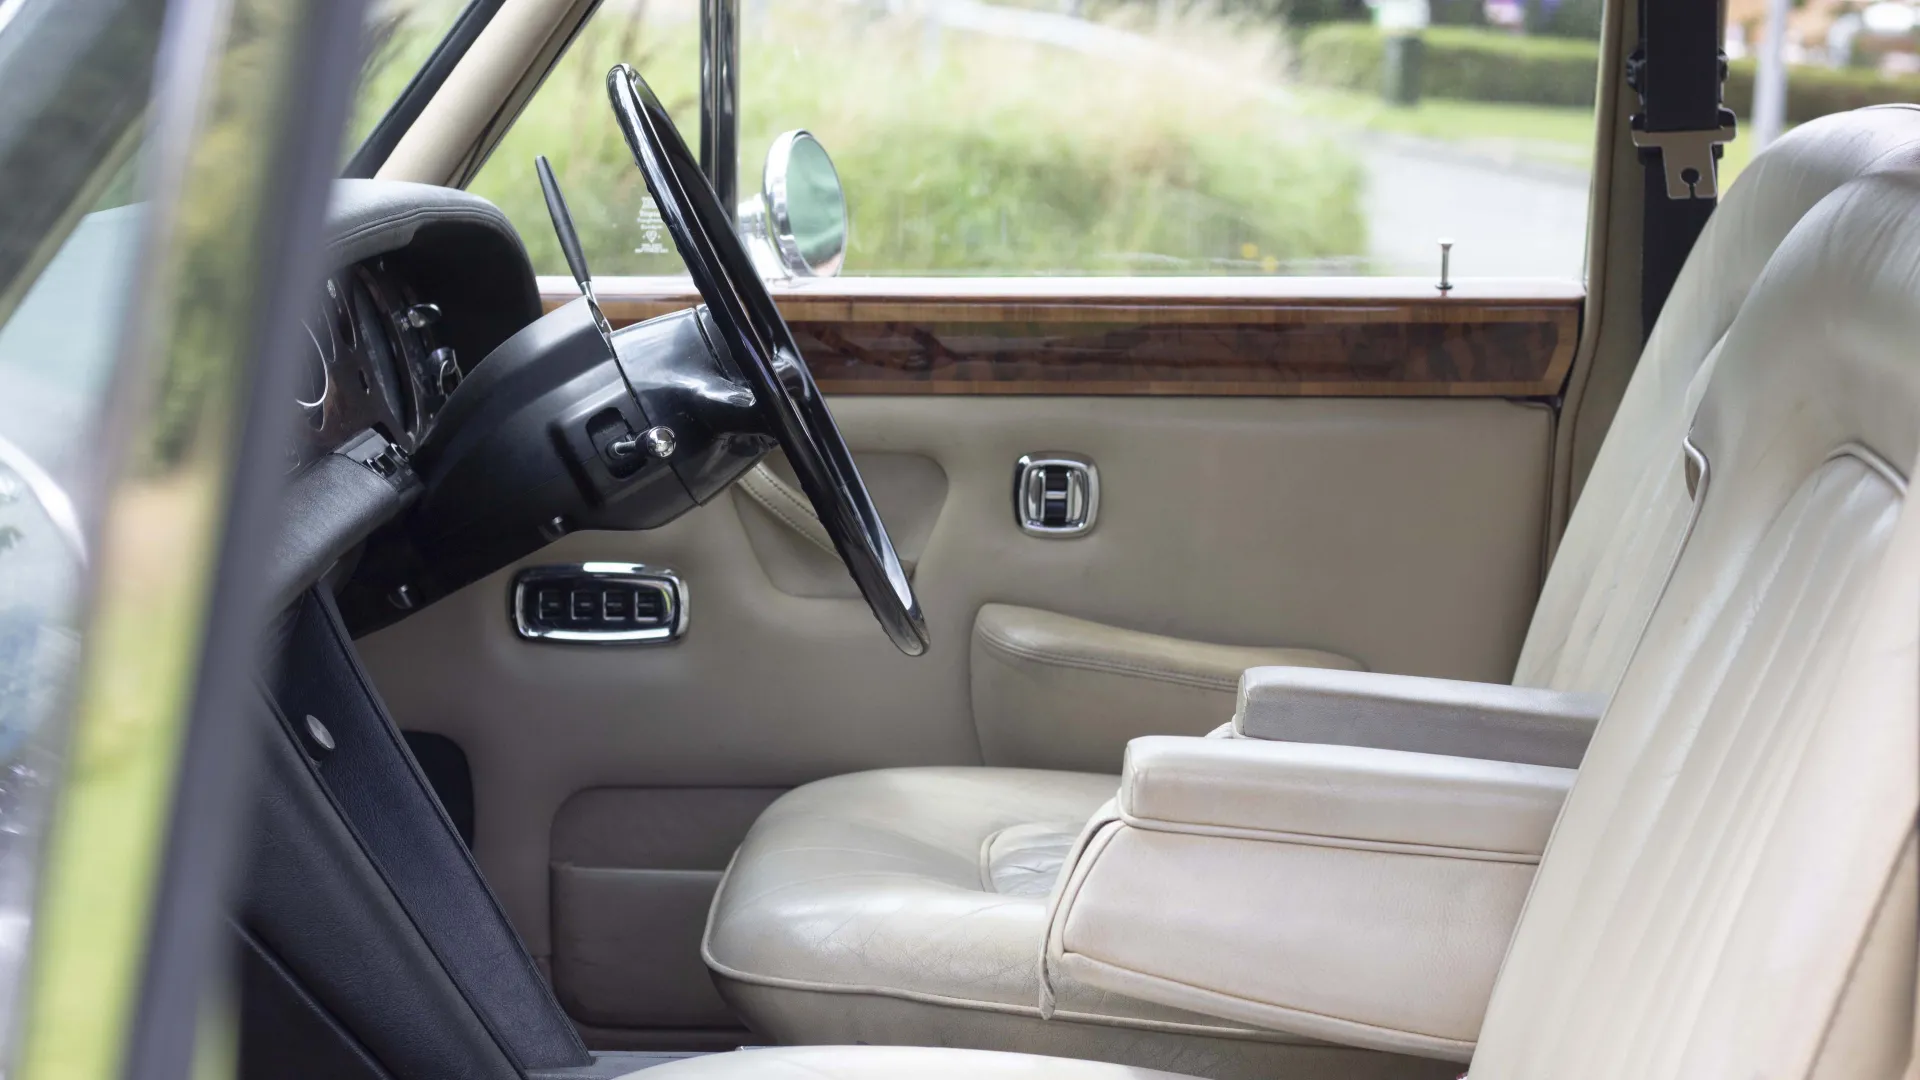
pixel 1508 216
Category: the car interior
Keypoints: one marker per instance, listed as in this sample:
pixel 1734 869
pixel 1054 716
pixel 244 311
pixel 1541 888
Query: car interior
pixel 712 677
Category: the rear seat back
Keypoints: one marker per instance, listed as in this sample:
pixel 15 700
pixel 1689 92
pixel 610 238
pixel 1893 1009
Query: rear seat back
pixel 1730 890
pixel 1634 508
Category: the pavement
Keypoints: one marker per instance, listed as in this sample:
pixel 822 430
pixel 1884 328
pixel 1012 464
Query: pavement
pixel 1506 217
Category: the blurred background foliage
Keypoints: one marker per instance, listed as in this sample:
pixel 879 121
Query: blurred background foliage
pixel 1131 168
pixel 1086 136
pixel 949 166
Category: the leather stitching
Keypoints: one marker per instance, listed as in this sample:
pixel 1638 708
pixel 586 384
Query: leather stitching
pixel 1167 1026
pixel 1425 1041
pixel 1275 836
pixel 986 860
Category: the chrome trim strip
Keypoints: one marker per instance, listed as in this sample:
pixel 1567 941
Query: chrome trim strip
pixel 720 99
pixel 664 583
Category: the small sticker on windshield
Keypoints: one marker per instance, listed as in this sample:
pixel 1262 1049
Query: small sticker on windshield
pixel 652 229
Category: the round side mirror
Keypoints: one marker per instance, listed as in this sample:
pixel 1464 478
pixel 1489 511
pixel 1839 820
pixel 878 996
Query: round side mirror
pixel 797 225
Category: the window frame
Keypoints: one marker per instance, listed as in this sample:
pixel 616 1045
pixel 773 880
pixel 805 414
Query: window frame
pixel 374 150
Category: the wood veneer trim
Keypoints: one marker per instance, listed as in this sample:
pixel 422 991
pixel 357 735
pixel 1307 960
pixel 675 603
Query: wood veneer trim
pixel 1162 337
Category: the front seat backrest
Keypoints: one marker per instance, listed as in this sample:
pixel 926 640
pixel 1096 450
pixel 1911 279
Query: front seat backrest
pixel 1730 890
pixel 1632 513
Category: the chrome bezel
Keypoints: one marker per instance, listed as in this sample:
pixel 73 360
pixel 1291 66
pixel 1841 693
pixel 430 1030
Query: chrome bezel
pixel 668 584
pixel 780 215
pixel 326 360
pixel 1023 513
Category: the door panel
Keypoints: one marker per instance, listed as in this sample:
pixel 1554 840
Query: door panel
pixel 1399 526
pixel 634 871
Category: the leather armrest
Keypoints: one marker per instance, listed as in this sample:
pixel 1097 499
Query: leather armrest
pixel 1352 894
pixel 1341 793
pixel 1429 716
pixel 1051 691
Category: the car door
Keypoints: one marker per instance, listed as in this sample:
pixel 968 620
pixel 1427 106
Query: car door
pixel 163 164
pixel 1310 346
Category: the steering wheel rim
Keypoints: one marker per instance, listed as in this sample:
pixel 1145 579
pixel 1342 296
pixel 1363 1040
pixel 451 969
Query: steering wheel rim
pixel 766 354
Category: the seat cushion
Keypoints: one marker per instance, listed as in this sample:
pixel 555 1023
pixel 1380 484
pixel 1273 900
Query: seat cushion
pixel 888 1063
pixel 918 883
pixel 908 907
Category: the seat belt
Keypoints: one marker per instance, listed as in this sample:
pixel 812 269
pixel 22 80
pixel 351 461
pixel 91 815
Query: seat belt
pixel 1678 71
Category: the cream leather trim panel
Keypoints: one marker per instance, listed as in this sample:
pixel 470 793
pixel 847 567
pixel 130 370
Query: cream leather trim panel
pixel 1404 534
pixel 434 147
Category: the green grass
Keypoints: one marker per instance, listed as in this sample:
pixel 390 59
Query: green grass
pixel 1538 132
pixel 1554 134
pixel 960 155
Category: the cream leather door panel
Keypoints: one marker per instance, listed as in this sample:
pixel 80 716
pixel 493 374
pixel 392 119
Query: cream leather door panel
pixel 1405 534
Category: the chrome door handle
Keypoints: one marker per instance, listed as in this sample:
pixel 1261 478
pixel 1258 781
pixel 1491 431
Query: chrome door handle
pixel 1056 494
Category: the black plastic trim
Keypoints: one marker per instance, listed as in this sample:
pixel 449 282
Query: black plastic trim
pixel 379 790
pixel 314 898
pixel 284 1033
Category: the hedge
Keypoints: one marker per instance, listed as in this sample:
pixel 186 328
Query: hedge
pixel 1813 92
pixel 1493 65
pixel 1461 62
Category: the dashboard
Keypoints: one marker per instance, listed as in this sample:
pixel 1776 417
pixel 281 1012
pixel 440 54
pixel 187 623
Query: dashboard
pixel 423 282
pixel 372 359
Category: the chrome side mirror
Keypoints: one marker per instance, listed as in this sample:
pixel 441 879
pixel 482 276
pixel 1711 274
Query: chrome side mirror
pixel 797 225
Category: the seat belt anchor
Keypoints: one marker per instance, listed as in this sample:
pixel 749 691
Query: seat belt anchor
pixel 1691 159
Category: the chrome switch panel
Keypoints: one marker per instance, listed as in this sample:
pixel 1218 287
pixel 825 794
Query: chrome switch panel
pixel 1056 494
pixel 600 603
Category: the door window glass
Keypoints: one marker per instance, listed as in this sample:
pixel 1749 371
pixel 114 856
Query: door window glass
pixel 69 227
pixel 1117 137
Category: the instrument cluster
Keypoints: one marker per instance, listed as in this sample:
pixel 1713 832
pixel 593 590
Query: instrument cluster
pixel 372 357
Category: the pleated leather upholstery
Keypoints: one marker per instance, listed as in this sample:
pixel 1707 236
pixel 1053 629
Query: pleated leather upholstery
pixel 1634 508
pixel 1718 873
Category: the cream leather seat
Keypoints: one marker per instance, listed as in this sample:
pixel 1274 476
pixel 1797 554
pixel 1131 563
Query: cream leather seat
pixel 908 906
pixel 1732 886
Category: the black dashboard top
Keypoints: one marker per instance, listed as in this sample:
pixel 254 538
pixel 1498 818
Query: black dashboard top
pixel 423 283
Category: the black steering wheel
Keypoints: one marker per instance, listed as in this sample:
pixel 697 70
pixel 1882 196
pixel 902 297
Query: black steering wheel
pixel 764 351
